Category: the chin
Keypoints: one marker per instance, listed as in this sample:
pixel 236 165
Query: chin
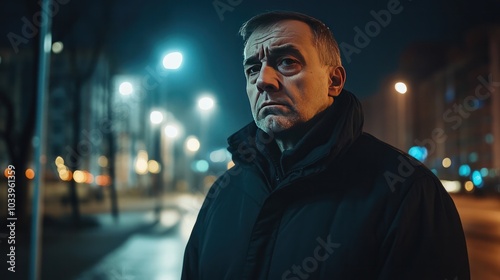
pixel 273 125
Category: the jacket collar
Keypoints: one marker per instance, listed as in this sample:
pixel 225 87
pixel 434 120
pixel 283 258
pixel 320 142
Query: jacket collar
pixel 335 129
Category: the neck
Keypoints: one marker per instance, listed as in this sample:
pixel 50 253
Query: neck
pixel 288 139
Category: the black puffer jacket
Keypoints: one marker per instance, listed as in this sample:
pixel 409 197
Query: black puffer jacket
pixel 341 205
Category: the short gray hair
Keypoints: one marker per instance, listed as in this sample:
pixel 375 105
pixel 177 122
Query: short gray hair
pixel 324 41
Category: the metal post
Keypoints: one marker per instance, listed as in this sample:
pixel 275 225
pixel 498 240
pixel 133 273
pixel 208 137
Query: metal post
pixel 42 87
pixel 158 184
pixel 112 158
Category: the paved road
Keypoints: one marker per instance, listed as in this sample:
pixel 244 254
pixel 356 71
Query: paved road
pixel 481 222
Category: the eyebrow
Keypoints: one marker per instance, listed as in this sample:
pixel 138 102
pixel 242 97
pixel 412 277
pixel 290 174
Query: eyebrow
pixel 287 49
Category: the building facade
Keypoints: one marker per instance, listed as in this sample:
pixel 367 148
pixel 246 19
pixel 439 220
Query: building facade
pixel 451 112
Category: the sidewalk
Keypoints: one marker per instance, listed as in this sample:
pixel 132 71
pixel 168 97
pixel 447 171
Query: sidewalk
pixel 153 253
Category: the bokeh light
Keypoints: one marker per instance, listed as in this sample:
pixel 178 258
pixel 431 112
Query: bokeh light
pixel 89 178
pixel 126 88
pixel 79 176
pixel 477 179
pixel 59 161
pixel 469 186
pixel 400 87
pixel 220 155
pixel 172 60
pixel 57 47
pixel 473 157
pixel 206 103
pixel 65 174
pixel 30 173
pixel 192 144
pixel 156 117
pixel 102 161
pixel 200 166
pixel 464 170
pixel 489 138
pixel 141 163
pixel 484 172
pixel 451 186
pixel 418 152
pixel 446 162
pixel 172 131
pixel 103 180
pixel 154 167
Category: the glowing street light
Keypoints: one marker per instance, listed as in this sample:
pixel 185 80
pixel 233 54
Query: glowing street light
pixel 172 60
pixel 402 118
pixel 57 47
pixel 141 163
pixel 102 161
pixel 192 144
pixel 200 166
pixel 126 88
pixel 206 103
pixel 171 130
pixel 154 166
pixel 156 117
pixel 400 87
pixel 446 162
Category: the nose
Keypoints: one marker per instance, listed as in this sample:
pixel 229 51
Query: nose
pixel 267 80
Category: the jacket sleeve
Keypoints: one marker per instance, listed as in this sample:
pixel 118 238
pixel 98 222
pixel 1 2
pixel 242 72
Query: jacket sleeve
pixel 425 239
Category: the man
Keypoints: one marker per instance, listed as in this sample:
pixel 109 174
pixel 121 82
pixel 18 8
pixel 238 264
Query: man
pixel 311 196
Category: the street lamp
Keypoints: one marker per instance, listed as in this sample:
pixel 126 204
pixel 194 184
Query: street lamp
pixel 57 47
pixel 171 131
pixel 172 60
pixel 163 130
pixel 192 144
pixel 400 87
pixel 166 130
pixel 156 117
pixel 141 163
pixel 206 103
pixel 126 88
pixel 402 114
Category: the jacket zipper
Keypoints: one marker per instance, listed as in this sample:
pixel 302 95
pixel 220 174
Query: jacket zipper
pixel 278 174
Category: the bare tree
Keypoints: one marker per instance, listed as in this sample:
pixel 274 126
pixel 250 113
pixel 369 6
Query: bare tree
pixel 18 132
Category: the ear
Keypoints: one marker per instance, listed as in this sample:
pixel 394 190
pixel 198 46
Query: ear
pixel 336 80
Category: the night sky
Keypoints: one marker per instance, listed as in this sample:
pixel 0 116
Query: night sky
pixel 140 32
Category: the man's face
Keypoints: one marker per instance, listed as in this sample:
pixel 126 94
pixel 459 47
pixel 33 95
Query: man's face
pixel 286 82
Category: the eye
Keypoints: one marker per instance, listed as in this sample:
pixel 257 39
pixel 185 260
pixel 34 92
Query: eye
pixel 253 69
pixel 287 62
pixel 289 66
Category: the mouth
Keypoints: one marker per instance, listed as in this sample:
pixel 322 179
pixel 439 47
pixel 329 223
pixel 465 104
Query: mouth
pixel 271 104
pixel 272 108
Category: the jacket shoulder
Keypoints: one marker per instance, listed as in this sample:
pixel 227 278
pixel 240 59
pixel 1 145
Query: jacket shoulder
pixel 374 157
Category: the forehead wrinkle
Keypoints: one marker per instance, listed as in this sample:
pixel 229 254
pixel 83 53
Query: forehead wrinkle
pixel 260 47
pixel 278 32
pixel 273 34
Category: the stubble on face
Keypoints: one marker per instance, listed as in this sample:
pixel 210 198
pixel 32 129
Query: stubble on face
pixel 276 120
